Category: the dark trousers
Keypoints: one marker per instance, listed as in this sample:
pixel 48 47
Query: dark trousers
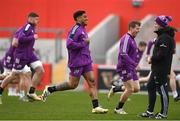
pixel 160 85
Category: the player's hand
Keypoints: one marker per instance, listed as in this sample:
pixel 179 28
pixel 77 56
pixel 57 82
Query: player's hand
pixel 138 67
pixel 36 36
pixel 149 60
pixel 87 40
pixel 15 42
pixel 147 56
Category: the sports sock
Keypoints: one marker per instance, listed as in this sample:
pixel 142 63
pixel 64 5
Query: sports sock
pixel 32 90
pixel 120 105
pixel 1 91
pixel 52 89
pixel 95 103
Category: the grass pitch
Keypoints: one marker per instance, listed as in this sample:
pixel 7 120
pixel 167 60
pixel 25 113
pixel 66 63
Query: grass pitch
pixel 77 106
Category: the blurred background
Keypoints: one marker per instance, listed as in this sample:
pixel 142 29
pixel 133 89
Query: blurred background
pixel 108 21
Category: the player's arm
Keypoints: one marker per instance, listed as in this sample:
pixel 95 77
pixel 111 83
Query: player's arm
pixel 125 48
pixel 74 44
pixel 149 46
pixel 14 42
pixel 71 44
pixel 162 52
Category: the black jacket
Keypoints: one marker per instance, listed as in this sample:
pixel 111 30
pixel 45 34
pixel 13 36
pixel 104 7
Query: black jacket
pixel 164 49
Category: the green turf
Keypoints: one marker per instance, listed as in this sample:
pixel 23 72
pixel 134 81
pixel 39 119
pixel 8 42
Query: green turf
pixel 77 106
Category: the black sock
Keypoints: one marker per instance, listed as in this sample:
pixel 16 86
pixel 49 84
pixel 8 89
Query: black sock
pixel 120 105
pixel 32 90
pixel 1 90
pixel 117 89
pixel 95 103
pixel 52 89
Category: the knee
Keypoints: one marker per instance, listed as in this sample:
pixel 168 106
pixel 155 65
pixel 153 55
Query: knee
pixel 92 83
pixel 39 70
pixel 73 85
pixel 130 90
pixel 137 89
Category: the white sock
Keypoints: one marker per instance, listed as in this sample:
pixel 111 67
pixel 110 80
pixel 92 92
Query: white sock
pixel 175 94
pixel 10 91
pixel 178 77
pixel 14 91
pixel 21 93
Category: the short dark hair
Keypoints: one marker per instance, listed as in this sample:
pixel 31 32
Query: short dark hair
pixel 133 24
pixel 78 13
pixel 33 14
pixel 142 43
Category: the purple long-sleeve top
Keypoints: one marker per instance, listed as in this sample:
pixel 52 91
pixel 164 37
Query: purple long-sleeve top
pixel 128 52
pixel 26 40
pixel 149 46
pixel 8 59
pixel 78 49
pixel 139 56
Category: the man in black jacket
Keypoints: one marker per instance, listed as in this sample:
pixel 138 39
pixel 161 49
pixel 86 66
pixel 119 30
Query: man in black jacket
pixel 161 65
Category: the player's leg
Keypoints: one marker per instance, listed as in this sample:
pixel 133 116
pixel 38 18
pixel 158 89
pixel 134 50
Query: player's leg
pixel 11 87
pixel 136 86
pixel 25 82
pixel 73 82
pixel 117 86
pixel 127 77
pixel 173 86
pixel 129 89
pixel 38 72
pixel 9 78
pixel 89 76
pixel 145 79
pixel 107 77
pixel 6 81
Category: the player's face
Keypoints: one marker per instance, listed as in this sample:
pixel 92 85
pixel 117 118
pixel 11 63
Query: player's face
pixel 142 48
pixel 33 20
pixel 135 30
pixel 84 19
pixel 156 26
pixel 36 20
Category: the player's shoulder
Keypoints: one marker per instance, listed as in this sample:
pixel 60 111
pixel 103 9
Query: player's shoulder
pixel 75 28
pixel 125 38
pixel 27 27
